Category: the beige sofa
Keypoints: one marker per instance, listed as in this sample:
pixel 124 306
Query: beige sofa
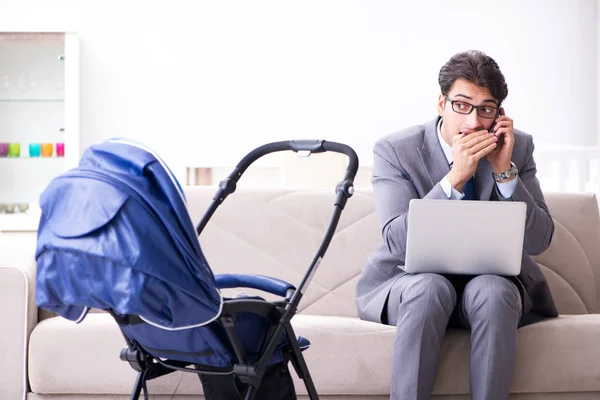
pixel 276 232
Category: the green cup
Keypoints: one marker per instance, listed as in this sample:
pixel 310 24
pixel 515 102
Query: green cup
pixel 14 149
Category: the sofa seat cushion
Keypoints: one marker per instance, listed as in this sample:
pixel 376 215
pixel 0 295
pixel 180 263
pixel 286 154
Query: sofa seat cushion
pixel 347 356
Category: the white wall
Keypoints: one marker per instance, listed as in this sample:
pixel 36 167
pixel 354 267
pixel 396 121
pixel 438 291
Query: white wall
pixel 210 80
pixel 598 62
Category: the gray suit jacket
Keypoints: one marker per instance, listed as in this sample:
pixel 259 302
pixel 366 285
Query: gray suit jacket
pixel 410 164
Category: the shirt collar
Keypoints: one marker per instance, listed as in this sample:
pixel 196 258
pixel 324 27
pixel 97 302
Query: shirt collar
pixel 445 146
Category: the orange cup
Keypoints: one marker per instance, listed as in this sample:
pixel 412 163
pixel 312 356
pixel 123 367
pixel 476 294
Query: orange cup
pixel 47 149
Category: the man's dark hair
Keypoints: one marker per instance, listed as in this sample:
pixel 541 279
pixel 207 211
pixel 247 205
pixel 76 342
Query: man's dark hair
pixel 477 68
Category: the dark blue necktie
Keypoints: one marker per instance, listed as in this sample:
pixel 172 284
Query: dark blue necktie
pixel 469 188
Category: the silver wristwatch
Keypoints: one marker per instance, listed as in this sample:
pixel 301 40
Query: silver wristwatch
pixel 512 171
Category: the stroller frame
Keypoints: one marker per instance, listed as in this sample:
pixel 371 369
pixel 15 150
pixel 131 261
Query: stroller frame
pixel 278 314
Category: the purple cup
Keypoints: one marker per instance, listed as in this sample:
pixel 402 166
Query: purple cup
pixel 3 149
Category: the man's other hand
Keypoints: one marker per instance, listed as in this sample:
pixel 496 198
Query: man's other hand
pixel 500 157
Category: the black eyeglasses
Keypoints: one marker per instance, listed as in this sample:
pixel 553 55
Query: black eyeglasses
pixel 462 107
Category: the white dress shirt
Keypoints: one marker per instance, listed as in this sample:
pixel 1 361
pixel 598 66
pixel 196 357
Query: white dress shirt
pixel 505 189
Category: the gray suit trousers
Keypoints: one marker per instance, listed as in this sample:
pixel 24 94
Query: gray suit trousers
pixel 422 305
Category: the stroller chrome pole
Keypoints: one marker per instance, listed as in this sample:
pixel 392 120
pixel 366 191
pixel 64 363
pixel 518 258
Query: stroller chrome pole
pixel 250 393
pixel 316 260
pixel 137 389
pixel 299 363
pixel 290 308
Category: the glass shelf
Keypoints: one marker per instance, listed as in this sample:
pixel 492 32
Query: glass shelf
pixel 39 94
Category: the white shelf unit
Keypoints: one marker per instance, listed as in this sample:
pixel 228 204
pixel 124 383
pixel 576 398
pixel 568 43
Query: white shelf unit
pixel 39 103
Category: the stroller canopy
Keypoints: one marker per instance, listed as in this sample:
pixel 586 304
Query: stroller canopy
pixel 119 220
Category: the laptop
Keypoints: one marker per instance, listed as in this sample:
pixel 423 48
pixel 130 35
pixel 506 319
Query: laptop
pixel 465 237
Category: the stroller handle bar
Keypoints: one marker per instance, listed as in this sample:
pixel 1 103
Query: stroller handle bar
pixel 305 146
pixel 344 190
pixel 302 147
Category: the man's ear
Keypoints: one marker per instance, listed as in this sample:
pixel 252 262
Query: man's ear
pixel 441 104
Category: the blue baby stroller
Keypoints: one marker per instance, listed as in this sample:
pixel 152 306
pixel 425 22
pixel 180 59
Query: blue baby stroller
pixel 115 234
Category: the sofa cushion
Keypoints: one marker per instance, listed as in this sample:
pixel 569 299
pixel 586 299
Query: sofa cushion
pixel 347 356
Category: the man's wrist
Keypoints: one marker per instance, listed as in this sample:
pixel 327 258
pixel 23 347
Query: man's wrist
pixel 455 182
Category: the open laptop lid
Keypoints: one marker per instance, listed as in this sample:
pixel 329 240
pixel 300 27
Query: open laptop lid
pixel 465 237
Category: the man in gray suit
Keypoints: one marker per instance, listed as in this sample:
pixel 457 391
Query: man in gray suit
pixel 470 151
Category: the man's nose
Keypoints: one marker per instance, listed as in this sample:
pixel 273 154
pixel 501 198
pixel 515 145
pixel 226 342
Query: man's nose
pixel 474 120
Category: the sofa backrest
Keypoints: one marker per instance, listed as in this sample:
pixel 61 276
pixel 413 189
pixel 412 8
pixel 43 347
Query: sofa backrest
pixel 276 232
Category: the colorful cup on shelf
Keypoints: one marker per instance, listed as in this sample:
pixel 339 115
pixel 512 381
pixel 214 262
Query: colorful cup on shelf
pixel 14 149
pixel 60 149
pixel 34 149
pixel 3 149
pixel 47 149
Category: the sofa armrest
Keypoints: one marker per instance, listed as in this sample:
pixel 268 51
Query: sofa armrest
pixel 18 316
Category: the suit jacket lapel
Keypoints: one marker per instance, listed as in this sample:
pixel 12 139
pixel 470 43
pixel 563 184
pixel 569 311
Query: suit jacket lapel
pixel 432 155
